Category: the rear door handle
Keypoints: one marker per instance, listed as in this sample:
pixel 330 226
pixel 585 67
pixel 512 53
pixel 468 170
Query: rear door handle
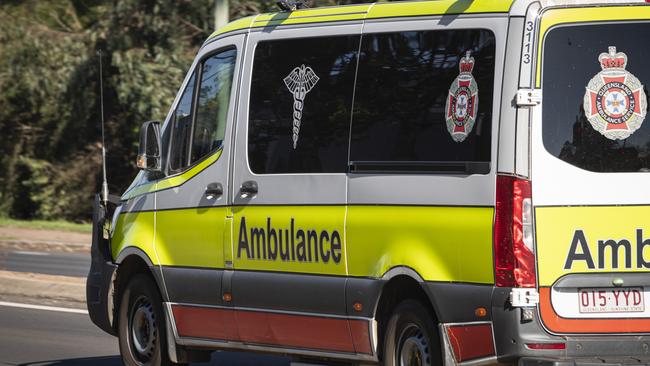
pixel 213 190
pixel 248 188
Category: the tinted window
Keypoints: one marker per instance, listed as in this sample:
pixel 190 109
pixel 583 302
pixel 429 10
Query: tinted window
pixel 181 129
pixel 400 109
pixel 301 95
pixel 213 99
pixel 571 70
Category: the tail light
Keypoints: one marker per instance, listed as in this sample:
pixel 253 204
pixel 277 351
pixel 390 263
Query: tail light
pixel 537 346
pixel 514 254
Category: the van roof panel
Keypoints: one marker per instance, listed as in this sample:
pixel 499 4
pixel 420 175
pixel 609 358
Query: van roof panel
pixel 239 24
pixel 400 9
pixel 370 11
pixel 440 7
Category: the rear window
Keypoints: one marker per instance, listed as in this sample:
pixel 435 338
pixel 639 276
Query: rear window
pixel 595 96
pixel 423 102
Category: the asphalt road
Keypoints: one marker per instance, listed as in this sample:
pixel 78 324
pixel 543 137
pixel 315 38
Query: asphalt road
pixel 51 263
pixel 40 337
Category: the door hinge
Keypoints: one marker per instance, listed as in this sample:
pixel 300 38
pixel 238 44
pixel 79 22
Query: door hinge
pixel 528 97
pixel 524 297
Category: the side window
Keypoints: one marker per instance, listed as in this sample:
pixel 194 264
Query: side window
pixel 198 131
pixel 423 100
pixel 300 105
pixel 213 99
pixel 181 129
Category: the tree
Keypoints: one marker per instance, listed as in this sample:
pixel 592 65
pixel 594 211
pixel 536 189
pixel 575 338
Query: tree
pixel 49 111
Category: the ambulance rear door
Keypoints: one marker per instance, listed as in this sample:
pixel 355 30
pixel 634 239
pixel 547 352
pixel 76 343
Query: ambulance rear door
pixel 590 170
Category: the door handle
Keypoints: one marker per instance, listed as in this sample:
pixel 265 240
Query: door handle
pixel 248 188
pixel 213 190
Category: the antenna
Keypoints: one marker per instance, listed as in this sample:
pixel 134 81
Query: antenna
pixel 104 192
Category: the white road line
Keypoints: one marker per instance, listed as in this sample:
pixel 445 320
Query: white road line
pixel 42 307
pixel 30 253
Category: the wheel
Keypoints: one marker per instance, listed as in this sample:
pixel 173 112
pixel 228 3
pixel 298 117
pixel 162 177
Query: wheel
pixel 411 337
pixel 141 328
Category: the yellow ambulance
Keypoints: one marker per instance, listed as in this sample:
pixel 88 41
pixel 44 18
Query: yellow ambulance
pixel 448 182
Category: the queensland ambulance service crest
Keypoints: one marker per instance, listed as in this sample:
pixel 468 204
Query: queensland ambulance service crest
pixel 462 101
pixel 614 101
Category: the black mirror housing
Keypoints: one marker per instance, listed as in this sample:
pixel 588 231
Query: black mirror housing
pixel 149 150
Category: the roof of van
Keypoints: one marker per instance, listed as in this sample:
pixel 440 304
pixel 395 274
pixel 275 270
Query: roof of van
pixel 368 11
pixel 400 9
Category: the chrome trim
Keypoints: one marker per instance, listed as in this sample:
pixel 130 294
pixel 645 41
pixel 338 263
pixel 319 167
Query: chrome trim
pixel 274 311
pixel 172 334
pixel 402 270
pixel 480 322
pixel 167 306
pixel 448 356
pixel 481 361
pixel 229 345
pixel 374 336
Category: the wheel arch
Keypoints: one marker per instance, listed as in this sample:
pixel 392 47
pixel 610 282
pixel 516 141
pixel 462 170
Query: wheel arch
pixel 131 261
pixel 398 284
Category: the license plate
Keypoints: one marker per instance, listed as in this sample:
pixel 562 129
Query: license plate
pixel 611 300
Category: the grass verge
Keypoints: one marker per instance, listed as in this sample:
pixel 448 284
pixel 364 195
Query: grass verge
pixel 46 225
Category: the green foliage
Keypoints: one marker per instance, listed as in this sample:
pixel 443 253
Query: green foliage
pixel 35 71
pixel 49 112
pixel 58 225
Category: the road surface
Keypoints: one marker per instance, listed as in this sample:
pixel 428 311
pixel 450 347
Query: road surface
pixel 43 337
pixel 51 263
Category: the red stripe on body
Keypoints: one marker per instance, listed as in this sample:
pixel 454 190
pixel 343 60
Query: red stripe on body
pixel 360 336
pixel 275 329
pixel 210 323
pixel 471 341
pixel 295 331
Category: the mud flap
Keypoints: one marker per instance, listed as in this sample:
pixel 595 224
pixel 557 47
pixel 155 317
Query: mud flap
pixel 99 282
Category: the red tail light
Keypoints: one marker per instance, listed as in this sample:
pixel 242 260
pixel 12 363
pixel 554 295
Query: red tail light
pixel 545 346
pixel 514 255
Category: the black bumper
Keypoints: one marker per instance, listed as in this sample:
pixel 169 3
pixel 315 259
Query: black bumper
pixel 99 299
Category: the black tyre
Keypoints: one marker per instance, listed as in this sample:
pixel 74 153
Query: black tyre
pixel 141 329
pixel 411 337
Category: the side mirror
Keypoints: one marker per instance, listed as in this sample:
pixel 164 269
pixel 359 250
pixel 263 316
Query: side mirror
pixel 149 150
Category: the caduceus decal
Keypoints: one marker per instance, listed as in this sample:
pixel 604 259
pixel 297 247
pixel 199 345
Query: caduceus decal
pixel 299 82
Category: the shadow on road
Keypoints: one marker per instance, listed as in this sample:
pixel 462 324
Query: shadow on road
pixel 218 358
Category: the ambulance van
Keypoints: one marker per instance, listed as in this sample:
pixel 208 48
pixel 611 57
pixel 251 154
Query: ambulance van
pixel 400 183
